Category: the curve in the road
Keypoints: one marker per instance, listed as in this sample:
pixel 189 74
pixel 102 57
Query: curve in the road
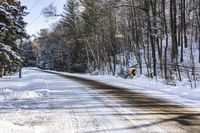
pixel 184 117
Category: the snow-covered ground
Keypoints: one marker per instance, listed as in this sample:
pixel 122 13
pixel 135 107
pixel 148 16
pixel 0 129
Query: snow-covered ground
pixel 181 94
pixel 46 103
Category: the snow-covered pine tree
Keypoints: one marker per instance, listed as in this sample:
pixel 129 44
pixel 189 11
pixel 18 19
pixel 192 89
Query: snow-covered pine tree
pixel 12 28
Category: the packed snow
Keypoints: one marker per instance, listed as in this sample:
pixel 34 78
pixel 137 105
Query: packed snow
pixel 40 102
pixel 47 103
pixel 182 94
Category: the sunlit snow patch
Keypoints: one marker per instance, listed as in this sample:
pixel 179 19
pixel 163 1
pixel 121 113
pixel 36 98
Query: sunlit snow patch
pixel 10 94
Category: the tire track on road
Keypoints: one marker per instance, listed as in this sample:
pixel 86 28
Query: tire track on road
pixel 172 117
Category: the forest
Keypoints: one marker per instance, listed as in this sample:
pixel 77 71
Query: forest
pixel 161 38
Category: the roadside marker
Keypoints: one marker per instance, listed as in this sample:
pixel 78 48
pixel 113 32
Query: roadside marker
pixel 133 72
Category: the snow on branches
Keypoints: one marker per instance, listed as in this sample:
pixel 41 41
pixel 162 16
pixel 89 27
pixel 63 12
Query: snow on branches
pixel 12 28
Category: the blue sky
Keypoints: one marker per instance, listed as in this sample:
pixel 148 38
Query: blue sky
pixel 34 19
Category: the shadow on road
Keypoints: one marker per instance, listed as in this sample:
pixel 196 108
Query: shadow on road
pixel 184 117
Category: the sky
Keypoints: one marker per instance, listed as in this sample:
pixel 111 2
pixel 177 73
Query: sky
pixel 35 20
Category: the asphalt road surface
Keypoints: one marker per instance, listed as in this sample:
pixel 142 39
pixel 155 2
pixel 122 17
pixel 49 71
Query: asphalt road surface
pixel 48 102
pixel 134 112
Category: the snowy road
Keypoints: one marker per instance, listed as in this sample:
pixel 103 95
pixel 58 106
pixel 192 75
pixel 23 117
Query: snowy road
pixel 49 103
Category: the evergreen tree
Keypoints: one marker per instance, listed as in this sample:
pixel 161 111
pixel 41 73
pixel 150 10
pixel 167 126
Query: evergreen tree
pixel 12 28
pixel 70 21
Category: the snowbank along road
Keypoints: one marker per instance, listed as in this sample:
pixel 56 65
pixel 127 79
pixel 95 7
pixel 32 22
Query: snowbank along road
pixel 48 102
